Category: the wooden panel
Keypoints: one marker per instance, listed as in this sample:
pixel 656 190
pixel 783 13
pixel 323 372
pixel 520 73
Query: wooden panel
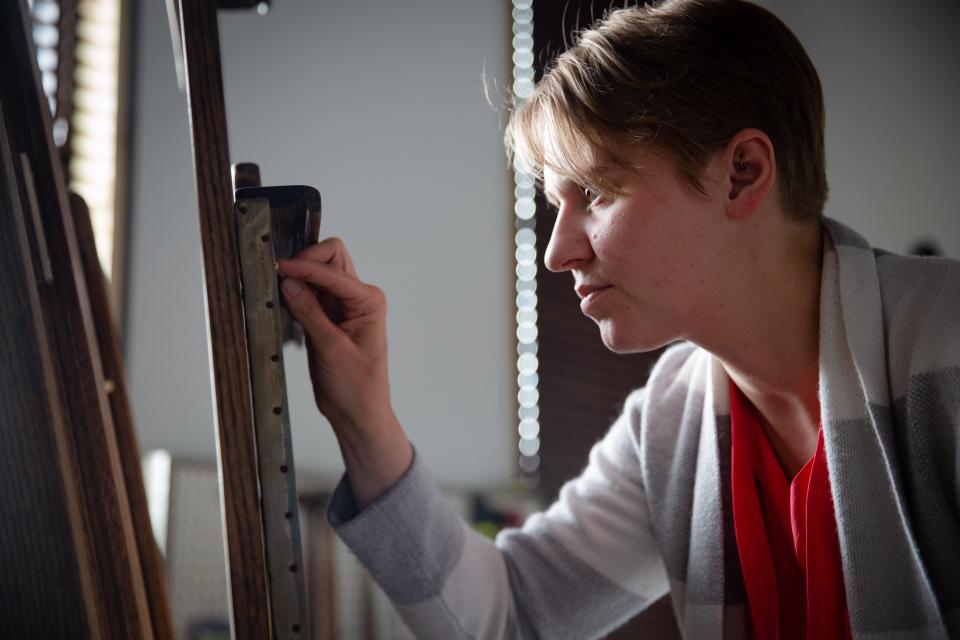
pixel 95 499
pixel 246 565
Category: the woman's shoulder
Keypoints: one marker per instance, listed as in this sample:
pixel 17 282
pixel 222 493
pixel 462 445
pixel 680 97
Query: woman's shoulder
pixel 921 308
pixel 920 281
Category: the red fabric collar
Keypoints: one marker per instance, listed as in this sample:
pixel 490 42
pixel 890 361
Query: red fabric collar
pixel 786 536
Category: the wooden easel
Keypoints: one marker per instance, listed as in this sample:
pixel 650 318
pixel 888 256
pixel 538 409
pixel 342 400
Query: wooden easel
pixel 77 556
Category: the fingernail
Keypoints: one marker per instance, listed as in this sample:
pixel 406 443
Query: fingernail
pixel 291 287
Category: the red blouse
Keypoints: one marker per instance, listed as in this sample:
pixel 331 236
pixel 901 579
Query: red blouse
pixel 786 535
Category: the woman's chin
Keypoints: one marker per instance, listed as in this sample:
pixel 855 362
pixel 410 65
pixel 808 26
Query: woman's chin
pixel 622 340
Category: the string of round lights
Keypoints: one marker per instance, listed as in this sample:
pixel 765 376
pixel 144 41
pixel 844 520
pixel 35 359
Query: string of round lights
pixel 528 395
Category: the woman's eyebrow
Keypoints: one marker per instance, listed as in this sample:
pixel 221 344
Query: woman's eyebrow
pixel 562 183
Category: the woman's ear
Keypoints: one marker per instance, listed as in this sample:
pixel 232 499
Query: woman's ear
pixel 750 165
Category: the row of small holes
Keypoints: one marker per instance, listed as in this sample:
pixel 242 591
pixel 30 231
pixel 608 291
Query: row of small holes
pixel 277 410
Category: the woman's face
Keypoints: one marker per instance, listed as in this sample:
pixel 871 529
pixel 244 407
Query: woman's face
pixel 656 252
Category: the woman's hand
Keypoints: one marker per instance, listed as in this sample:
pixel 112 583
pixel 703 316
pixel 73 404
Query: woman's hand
pixel 344 321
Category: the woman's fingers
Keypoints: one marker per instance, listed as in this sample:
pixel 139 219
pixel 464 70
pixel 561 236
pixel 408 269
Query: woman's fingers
pixel 303 305
pixel 350 308
pixel 328 278
pixel 331 251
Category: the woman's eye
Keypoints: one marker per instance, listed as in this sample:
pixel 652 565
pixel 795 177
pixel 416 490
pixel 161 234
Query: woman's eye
pixel 592 196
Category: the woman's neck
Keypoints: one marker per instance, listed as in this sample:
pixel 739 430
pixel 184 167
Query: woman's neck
pixel 768 340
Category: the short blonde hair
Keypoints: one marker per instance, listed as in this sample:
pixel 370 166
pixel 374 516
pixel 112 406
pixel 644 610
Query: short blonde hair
pixel 678 79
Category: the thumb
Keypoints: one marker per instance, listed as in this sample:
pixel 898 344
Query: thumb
pixel 303 305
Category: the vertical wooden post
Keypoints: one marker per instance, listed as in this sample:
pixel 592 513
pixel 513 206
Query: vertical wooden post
pixel 236 452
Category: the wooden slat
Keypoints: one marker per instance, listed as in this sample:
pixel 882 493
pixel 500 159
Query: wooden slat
pixel 117 284
pixel 249 612
pixel 151 562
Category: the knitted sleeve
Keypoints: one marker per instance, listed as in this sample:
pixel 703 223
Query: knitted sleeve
pixel 578 570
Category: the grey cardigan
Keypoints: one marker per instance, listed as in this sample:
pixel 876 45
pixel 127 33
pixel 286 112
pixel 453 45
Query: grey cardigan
pixel 650 513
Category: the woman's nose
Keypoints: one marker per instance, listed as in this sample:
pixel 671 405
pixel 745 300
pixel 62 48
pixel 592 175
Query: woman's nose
pixel 568 244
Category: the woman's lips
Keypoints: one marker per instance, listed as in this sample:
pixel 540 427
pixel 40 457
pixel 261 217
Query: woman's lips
pixel 590 298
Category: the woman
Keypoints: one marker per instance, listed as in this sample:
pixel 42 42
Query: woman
pixel 791 468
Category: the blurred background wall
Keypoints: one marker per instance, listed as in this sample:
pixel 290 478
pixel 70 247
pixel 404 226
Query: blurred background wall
pixel 381 106
pixel 891 81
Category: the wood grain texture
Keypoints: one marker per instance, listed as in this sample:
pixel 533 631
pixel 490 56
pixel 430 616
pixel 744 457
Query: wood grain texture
pixel 93 489
pixel 151 562
pixel 236 452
